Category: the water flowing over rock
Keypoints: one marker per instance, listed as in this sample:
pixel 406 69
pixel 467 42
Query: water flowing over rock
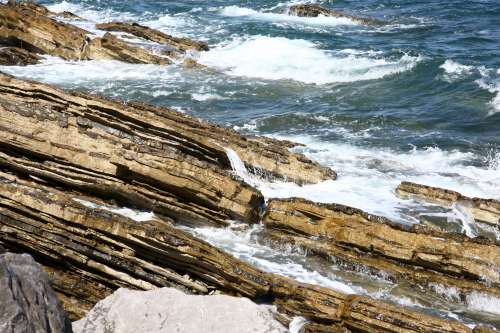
pixel 90 252
pixel 152 158
pixel 34 28
pixel 313 10
pixel 416 254
pixel 170 310
pixel 27 302
pixel 181 44
pixel 14 56
pixel 483 210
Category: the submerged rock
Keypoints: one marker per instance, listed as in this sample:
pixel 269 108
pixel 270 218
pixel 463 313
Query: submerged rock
pixel 421 256
pixel 483 210
pixel 181 44
pixel 169 310
pixel 27 302
pixel 112 48
pixel 15 56
pixel 313 10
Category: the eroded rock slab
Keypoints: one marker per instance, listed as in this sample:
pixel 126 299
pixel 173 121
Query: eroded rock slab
pixel 483 210
pixel 170 310
pixel 181 44
pixel 27 302
pixel 421 256
pixel 112 48
pixel 89 252
pixel 313 10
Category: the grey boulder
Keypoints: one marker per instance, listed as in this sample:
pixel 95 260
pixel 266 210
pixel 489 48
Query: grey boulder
pixel 27 302
pixel 169 310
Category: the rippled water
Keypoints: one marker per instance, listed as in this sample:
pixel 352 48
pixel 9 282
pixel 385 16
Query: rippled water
pixel 416 98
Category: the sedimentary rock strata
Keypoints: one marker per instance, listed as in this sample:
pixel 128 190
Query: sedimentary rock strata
pixel 89 252
pixel 30 28
pixel 112 48
pixel 35 29
pixel 147 157
pixel 15 56
pixel 313 10
pixel 27 302
pixel 418 255
pixel 181 44
pixel 483 210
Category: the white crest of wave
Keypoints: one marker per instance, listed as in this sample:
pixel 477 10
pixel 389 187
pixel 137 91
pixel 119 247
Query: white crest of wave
pixel 236 11
pixel 493 86
pixel 454 70
pixel 278 58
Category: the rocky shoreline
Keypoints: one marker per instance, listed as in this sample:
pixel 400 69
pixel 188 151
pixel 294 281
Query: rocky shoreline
pixel 69 161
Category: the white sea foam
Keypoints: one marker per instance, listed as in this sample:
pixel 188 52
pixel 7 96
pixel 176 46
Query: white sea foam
pixel 454 70
pixel 368 178
pixel 296 324
pixel 243 246
pixel 236 11
pixel 134 214
pixel 277 58
pixel 493 86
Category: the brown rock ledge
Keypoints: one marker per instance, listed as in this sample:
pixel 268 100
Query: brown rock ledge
pixel 483 210
pixel 153 158
pixel 424 257
pixel 181 44
pixel 90 252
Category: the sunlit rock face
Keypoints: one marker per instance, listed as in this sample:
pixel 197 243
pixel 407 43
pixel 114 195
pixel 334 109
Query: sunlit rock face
pixel 170 310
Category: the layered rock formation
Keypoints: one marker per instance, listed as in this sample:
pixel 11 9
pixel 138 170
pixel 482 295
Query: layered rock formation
pixel 15 56
pixel 421 256
pixel 35 29
pixel 151 158
pixel 180 44
pixel 169 310
pixel 483 210
pixel 27 302
pixel 89 252
pixel 313 10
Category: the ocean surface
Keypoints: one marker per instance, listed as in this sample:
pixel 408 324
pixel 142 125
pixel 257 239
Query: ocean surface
pixel 416 98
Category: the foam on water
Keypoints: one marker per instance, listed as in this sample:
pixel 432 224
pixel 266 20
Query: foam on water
pixel 243 246
pixel 278 58
pixel 454 70
pixel 243 12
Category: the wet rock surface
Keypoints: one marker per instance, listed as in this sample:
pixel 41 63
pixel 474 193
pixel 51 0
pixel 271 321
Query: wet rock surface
pixel 170 310
pixel 181 44
pixel 419 255
pixel 35 29
pixel 313 10
pixel 27 302
pixel 90 252
pixel 483 210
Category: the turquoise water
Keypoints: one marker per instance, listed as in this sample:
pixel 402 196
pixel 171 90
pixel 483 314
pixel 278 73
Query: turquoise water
pixel 416 98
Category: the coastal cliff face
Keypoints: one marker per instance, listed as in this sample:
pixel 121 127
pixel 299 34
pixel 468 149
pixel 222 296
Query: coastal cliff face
pixel 67 157
pixel 72 163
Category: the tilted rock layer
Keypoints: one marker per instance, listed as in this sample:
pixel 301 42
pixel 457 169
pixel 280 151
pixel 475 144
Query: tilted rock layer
pixel 89 252
pixel 15 56
pixel 483 210
pixel 419 255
